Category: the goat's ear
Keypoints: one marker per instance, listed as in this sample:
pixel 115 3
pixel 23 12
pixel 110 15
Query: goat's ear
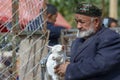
pixel 50 47
pixel 63 47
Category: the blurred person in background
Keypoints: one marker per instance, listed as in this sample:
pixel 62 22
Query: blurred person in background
pixel 55 31
pixel 110 22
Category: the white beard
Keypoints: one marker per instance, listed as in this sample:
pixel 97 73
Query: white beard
pixel 87 33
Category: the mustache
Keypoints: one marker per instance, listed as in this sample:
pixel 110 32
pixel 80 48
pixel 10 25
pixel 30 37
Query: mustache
pixel 81 29
pixel 85 33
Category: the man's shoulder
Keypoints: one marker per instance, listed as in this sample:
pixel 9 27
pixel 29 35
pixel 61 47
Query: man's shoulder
pixel 108 34
pixel 61 27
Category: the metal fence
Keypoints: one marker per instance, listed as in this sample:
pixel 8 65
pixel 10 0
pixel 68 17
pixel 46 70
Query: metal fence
pixel 23 39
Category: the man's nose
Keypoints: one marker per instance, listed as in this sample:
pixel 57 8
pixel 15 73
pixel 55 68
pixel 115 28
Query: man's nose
pixel 79 25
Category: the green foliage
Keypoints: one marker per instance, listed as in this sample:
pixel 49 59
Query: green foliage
pixel 65 7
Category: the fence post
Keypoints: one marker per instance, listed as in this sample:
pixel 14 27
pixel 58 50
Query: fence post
pixel 15 29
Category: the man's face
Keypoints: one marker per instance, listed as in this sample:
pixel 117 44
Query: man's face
pixel 52 18
pixel 85 26
pixel 113 24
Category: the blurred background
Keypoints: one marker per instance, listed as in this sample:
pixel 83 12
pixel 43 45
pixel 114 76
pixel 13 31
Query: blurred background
pixel 110 8
pixel 23 34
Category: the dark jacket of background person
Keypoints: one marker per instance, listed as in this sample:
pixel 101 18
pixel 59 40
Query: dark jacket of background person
pixel 98 58
pixel 55 32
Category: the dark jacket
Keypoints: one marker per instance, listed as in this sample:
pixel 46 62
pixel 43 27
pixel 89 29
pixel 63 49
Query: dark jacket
pixel 97 58
pixel 55 32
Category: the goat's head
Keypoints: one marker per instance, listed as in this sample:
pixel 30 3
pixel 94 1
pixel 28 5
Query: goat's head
pixel 56 48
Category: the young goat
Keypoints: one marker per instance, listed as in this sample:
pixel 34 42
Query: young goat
pixel 56 57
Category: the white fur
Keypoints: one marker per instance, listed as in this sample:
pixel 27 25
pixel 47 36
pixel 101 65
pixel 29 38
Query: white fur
pixel 6 55
pixel 56 57
pixel 2 66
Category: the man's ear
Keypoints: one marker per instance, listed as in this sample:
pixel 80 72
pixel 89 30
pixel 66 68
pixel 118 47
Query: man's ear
pixel 50 47
pixel 49 15
pixel 96 21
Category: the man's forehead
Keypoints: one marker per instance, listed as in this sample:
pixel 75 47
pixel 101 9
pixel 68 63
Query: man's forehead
pixel 83 17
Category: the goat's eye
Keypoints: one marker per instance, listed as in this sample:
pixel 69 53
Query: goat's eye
pixel 53 58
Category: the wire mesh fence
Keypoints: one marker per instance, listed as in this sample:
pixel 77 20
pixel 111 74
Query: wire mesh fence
pixel 23 39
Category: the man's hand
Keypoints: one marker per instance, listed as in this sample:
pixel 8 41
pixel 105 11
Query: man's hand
pixel 61 69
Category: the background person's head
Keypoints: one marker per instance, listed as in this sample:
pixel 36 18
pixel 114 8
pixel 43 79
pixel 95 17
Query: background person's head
pixel 110 22
pixel 51 13
pixel 88 18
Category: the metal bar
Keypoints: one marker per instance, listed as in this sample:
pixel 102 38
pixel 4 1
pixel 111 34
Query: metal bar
pixel 15 29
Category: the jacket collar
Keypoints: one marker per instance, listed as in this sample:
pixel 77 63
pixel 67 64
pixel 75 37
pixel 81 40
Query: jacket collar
pixel 87 43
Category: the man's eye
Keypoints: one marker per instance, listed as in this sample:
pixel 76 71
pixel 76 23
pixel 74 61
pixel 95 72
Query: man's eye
pixel 79 21
pixel 82 22
pixel 76 20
